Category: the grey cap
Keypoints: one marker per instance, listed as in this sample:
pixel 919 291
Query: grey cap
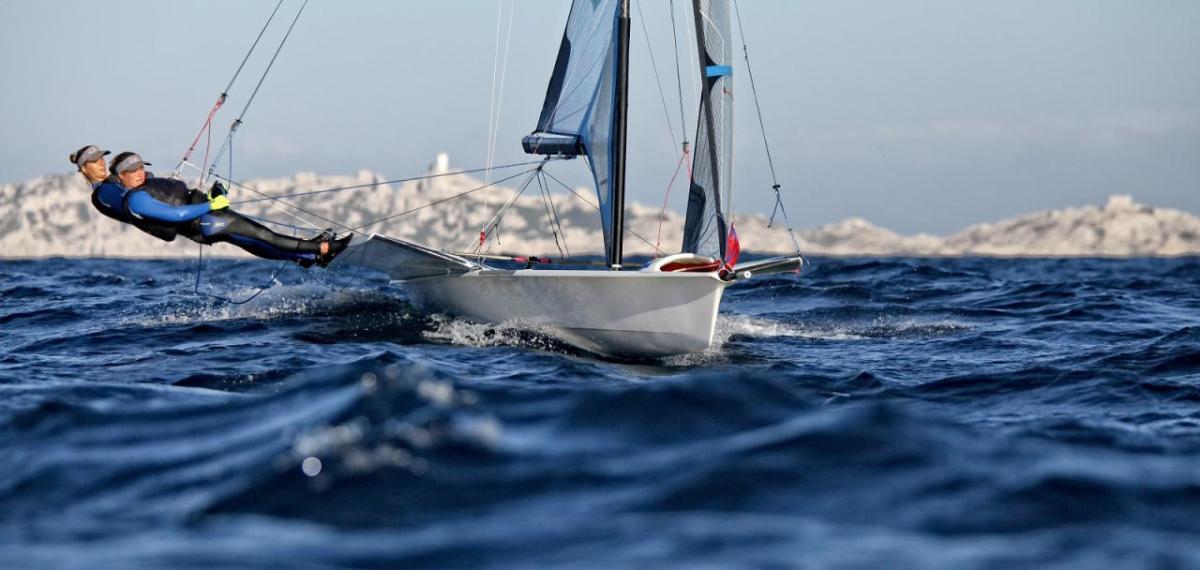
pixel 86 154
pixel 126 162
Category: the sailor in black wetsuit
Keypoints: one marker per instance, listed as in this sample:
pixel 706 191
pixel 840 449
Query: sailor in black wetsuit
pixel 164 208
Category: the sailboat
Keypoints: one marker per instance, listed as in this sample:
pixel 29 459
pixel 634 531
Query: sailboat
pixel 667 307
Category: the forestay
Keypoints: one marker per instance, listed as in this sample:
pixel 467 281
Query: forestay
pixel 704 231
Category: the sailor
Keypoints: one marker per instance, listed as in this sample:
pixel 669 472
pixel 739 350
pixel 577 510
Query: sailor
pixel 91 164
pixel 165 208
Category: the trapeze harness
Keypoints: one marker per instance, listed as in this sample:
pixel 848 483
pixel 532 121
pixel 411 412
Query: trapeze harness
pixel 165 208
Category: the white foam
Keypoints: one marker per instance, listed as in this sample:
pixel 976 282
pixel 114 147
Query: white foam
pixel 907 327
pixel 729 326
pixel 745 325
pixel 467 333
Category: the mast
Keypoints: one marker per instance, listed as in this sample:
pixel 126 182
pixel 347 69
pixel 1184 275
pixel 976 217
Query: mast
pixel 621 124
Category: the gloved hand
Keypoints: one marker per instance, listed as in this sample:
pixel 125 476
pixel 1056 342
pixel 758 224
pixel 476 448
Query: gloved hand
pixel 217 189
pixel 218 203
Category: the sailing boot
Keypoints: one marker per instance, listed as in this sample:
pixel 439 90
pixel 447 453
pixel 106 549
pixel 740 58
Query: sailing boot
pixel 325 235
pixel 336 246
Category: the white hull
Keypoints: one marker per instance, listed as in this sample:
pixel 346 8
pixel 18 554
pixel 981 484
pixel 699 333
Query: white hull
pixel 661 310
pixel 612 313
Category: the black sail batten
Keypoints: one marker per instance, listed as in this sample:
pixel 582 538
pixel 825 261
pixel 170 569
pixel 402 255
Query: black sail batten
pixel 704 230
pixel 554 90
pixel 543 140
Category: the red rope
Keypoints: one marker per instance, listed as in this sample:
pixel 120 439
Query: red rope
pixel 685 157
pixel 207 148
pixel 206 127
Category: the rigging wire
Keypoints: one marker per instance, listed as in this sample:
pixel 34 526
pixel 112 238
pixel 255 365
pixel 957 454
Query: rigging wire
pixel 385 182
pixel 264 287
pixel 251 50
pixel 271 63
pixel 684 159
pixel 277 271
pixel 498 94
pixel 494 223
pixel 678 75
pixel 594 206
pixel 279 200
pixel 238 122
pixel 494 118
pixel 274 201
pixel 552 217
pixel 696 84
pixel 223 96
pixel 779 208
pixel 200 267
pixel 493 109
pixel 657 79
pixel 529 259
pixel 207 128
pixel 439 201
pixel 262 220
pixel 495 72
pixel 685 146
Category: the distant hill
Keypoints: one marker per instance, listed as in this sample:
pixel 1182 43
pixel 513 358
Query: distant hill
pixel 53 216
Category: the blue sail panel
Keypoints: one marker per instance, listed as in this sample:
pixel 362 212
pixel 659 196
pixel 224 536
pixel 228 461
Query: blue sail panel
pixel 598 140
pixel 577 116
pixel 705 227
pixel 584 59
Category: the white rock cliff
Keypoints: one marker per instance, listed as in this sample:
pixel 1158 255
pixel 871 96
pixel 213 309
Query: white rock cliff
pixel 53 216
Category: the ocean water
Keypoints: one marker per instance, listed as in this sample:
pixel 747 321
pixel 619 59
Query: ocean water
pixel 876 413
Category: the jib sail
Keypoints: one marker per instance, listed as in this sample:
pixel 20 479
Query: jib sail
pixel 581 114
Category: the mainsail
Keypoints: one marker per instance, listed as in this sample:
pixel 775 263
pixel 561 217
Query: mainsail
pixel 704 231
pixel 583 104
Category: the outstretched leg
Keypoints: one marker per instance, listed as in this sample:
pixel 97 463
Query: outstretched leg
pixel 231 227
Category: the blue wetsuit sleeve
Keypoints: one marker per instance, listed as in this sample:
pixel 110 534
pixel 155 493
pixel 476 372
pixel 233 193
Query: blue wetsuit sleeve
pixel 145 206
pixel 110 195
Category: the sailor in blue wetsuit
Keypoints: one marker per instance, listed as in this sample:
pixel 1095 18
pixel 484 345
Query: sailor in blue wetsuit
pixel 165 208
pixel 90 161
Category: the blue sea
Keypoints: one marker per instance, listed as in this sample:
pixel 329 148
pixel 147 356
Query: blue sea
pixel 865 413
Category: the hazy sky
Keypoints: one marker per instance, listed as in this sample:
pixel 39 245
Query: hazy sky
pixel 919 116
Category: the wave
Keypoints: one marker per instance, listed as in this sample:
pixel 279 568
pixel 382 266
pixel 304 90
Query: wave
pixel 41 317
pixel 24 292
pixel 912 412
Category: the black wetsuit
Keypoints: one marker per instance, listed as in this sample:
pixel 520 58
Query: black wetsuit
pixel 231 227
pixel 164 208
